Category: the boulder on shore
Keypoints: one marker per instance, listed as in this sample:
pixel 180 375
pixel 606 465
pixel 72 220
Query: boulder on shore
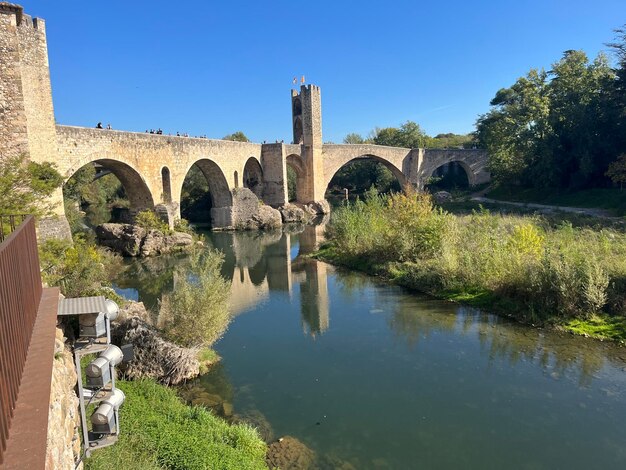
pixel 132 240
pixel 318 207
pixel 123 238
pixel 155 358
pixel 442 196
pixel 292 213
pixel 249 213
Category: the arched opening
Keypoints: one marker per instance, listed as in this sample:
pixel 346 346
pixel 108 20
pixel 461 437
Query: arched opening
pixel 297 107
pixel 362 173
pixel 295 178
pixel 253 176
pixel 204 192
pixel 103 191
pixel 451 176
pixel 297 130
pixel 167 188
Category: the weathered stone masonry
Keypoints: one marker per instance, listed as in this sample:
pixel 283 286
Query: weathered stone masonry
pixel 152 167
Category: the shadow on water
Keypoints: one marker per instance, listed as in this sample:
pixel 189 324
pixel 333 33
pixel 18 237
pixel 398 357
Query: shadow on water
pixel 383 378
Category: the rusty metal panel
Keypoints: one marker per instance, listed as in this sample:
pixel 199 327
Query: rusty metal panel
pixel 20 295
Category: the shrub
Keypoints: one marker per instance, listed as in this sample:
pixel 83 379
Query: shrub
pixel 182 225
pixel 26 186
pixel 196 313
pixel 82 269
pixel 149 220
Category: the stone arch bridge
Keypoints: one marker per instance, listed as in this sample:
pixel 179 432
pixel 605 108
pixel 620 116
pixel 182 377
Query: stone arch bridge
pixel 152 167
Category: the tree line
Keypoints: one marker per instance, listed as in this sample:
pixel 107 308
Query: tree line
pixel 563 128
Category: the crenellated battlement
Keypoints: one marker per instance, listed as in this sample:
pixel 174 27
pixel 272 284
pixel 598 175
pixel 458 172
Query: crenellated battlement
pixel 22 19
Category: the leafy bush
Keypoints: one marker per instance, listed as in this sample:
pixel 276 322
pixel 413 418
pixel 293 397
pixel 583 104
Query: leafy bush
pixel 160 432
pixel 26 186
pixel 196 313
pixel 182 225
pixel 149 220
pixel 82 269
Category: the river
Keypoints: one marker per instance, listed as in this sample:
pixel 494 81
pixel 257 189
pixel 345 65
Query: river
pixel 381 378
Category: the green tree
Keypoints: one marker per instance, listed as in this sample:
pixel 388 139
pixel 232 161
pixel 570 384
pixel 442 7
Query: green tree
pixel 408 135
pixel 554 129
pixel 617 171
pixel 237 137
pixel 512 130
pixel 353 138
pixel 26 186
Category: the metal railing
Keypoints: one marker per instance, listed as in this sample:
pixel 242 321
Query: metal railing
pixel 20 294
pixel 8 224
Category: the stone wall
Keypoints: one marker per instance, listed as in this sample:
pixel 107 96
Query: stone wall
pixel 13 135
pixel 64 443
pixel 274 164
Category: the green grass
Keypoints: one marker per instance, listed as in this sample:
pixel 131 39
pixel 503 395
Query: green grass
pixel 207 357
pixel 611 199
pixel 599 327
pixel 158 431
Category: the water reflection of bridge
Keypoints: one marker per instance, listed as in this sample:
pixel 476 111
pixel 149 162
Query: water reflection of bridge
pixel 258 263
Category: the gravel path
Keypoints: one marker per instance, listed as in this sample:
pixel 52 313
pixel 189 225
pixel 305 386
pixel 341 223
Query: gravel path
pixel 548 208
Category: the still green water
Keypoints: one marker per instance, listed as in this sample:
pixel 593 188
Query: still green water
pixel 385 379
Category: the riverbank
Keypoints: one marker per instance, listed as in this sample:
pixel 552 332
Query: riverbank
pixel 568 278
pixel 160 431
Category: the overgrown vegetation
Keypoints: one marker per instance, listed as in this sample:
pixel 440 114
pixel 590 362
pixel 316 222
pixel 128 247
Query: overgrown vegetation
pixel 149 220
pixel 26 187
pixel 96 197
pixel 518 265
pixel 79 269
pixel 160 432
pixel 195 202
pixel 195 314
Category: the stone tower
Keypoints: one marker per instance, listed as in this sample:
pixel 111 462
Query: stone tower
pixel 306 109
pixel 27 125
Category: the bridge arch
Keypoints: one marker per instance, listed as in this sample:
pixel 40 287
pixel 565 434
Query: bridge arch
pixel 253 176
pixel 218 186
pixel 295 163
pixel 395 171
pixel 135 187
pixel 473 161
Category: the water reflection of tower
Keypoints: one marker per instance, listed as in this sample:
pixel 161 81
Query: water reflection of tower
pixel 314 298
pixel 314 285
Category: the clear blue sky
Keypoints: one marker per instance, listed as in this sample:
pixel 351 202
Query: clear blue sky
pixel 215 67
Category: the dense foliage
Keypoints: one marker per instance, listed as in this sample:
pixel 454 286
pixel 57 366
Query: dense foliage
pixel 79 269
pixel 149 220
pixel 195 202
pixel 534 270
pixel 160 432
pixel 560 128
pixel 27 186
pixel 195 313
pixel 95 196
pixel 237 137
